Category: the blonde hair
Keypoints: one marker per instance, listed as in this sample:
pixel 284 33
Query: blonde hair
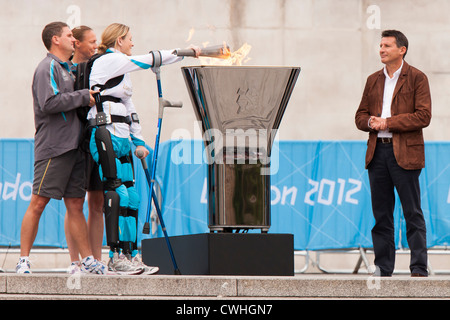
pixel 111 34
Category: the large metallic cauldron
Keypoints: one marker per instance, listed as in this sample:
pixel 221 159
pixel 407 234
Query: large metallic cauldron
pixel 240 109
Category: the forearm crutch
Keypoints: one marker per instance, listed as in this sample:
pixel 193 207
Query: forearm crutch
pixel 157 60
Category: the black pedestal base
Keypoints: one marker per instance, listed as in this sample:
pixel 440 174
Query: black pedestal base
pixel 262 254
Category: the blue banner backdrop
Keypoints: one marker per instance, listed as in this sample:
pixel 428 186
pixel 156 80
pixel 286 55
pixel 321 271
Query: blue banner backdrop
pixel 319 192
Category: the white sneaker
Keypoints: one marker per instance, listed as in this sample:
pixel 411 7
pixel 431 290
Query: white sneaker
pixel 91 265
pixel 23 266
pixel 137 261
pixel 75 267
pixel 122 265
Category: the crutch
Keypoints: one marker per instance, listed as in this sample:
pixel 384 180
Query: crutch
pixel 157 60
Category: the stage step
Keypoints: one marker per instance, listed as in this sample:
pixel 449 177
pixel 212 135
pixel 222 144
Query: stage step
pixel 63 286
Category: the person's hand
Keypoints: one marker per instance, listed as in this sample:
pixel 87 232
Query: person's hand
pixel 91 97
pixel 141 152
pixel 378 124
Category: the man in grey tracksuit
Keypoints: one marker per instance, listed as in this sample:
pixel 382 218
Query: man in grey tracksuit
pixel 59 164
pixel 58 127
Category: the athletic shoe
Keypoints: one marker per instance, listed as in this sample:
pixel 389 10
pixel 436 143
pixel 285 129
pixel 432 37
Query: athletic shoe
pixel 23 266
pixel 122 265
pixel 91 265
pixel 75 267
pixel 137 261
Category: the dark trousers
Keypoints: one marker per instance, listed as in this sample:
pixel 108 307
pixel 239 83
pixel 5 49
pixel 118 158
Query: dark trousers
pixel 384 175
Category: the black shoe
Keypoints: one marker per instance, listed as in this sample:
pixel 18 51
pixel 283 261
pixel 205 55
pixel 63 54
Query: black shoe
pixel 416 274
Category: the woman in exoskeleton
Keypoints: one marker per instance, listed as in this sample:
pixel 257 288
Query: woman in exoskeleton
pixel 116 126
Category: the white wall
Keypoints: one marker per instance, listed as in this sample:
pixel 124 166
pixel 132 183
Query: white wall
pixel 335 42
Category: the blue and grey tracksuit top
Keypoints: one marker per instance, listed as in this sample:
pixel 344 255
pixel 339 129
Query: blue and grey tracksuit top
pixel 58 127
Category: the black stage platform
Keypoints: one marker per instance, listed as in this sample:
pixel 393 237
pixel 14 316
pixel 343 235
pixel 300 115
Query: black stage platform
pixel 259 254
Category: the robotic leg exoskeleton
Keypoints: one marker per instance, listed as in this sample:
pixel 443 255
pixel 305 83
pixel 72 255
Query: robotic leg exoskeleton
pixel 121 198
pixel 107 161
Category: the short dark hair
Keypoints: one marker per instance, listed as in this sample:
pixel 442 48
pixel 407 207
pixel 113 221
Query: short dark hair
pixel 50 30
pixel 400 39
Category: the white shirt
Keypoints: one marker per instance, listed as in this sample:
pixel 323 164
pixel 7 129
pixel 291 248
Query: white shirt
pixel 389 86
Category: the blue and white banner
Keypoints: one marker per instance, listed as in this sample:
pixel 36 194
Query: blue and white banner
pixel 320 193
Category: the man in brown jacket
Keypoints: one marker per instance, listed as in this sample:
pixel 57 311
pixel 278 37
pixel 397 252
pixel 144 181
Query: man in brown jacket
pixel 395 107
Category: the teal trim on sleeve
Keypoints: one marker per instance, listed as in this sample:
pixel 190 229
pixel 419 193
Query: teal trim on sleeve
pixel 52 78
pixel 141 64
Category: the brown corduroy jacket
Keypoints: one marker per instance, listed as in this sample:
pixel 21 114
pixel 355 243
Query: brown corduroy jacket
pixel 410 113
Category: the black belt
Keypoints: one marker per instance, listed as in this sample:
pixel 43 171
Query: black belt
pixel 114 119
pixel 122 119
pixel 384 140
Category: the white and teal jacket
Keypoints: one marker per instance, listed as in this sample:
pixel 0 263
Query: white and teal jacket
pixel 115 64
